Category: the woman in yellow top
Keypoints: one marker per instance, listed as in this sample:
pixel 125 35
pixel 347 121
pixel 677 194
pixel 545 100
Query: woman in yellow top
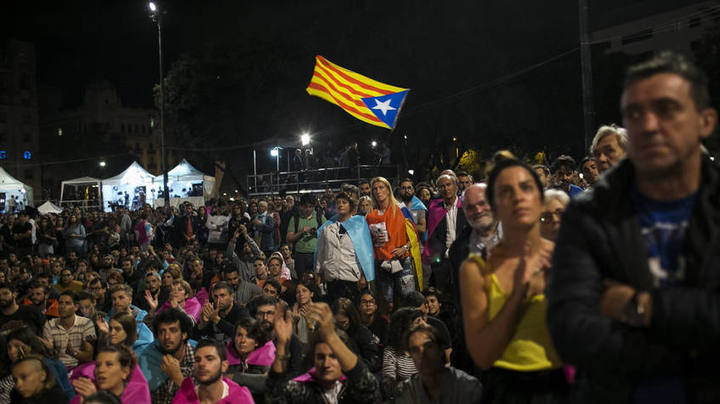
pixel 503 298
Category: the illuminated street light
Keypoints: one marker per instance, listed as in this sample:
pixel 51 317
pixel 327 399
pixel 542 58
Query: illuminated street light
pixel 274 152
pixel 102 164
pixel 305 139
pixel 373 144
pixel 411 172
pixel 156 16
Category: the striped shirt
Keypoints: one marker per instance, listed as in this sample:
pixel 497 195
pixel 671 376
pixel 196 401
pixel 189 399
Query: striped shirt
pixel 71 338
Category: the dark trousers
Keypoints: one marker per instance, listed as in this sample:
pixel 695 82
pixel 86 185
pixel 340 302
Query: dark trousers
pixel 337 289
pixel 304 263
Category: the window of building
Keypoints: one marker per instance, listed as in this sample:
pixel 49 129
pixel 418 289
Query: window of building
pixel 26 137
pixel 122 127
pixel 142 129
pixel 28 174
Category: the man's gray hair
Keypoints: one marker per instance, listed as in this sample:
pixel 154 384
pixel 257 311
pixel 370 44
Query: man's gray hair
pixel 606 130
pixel 452 177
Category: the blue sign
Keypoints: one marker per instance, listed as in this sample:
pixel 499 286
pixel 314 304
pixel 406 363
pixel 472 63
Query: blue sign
pixel 27 155
pixel 3 155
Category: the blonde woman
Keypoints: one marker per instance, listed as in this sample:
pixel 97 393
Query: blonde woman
pixel 394 274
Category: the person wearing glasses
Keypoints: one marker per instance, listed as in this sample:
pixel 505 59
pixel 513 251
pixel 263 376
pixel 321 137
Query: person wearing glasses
pixel 555 203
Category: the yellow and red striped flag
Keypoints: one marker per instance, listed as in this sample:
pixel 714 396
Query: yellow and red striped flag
pixel 362 97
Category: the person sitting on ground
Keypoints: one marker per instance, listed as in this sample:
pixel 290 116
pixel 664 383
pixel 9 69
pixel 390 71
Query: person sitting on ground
pixel 398 366
pixel 122 329
pixel 34 383
pixel 207 384
pixel 115 370
pixel 181 297
pixel 337 375
pixel 436 381
pixel 304 293
pixel 23 342
pixel 371 317
pixel 250 354
pixel 361 339
pixel 555 203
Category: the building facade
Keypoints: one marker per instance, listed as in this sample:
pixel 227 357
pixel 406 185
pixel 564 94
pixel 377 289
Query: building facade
pixel 105 135
pixel 19 125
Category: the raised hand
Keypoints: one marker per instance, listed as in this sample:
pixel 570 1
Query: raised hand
pixel 84 386
pixel 151 300
pixel 323 316
pixel 283 324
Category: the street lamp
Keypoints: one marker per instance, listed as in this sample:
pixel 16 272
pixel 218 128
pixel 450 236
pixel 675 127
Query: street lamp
pixel 373 144
pixel 275 152
pixel 156 15
pixel 102 164
pixel 305 139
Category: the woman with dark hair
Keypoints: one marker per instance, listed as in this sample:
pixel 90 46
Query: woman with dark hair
pixel 181 296
pixel 74 234
pixel 504 306
pixel 250 354
pixel 22 342
pixel 121 329
pixel 361 341
pixel 371 317
pixel 304 294
pixel 34 383
pixel 115 370
pixel 337 375
pixel 46 237
pixel 398 366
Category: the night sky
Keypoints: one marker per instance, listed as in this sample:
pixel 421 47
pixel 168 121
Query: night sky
pixel 446 52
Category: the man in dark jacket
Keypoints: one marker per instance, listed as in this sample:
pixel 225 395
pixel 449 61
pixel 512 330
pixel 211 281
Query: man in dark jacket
pixel 186 227
pixel 445 223
pixel 635 286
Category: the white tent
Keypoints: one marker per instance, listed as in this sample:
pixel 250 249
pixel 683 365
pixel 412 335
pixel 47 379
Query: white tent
pixel 49 207
pixel 11 187
pixel 83 183
pixel 183 178
pixel 131 188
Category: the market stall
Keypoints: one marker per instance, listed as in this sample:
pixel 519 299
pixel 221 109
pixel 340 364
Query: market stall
pixel 131 189
pixel 186 183
pixel 14 193
pixel 83 192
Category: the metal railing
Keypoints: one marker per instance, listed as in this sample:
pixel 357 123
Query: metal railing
pixel 316 179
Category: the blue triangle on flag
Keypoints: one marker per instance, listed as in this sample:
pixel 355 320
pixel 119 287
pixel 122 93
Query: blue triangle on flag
pixel 386 107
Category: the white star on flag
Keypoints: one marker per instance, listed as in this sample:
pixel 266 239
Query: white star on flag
pixel 383 106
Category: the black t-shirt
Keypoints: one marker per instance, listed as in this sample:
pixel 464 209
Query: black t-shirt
pixel 22 228
pixel 25 315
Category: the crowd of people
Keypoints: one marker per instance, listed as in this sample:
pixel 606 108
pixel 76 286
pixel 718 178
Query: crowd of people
pixel 591 282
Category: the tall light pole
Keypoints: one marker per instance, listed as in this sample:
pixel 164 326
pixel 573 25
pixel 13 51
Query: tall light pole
pixel 586 69
pixel 156 15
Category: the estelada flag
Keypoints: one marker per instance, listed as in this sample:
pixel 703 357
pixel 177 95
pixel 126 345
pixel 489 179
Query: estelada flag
pixel 362 97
